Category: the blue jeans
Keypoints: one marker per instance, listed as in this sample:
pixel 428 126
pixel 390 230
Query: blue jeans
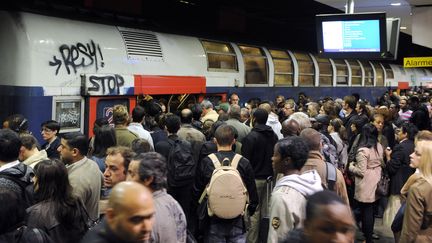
pixel 221 231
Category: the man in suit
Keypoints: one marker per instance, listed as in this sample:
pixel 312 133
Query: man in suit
pixel 398 168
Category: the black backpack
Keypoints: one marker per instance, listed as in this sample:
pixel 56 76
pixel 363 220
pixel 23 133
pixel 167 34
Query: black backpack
pixel 27 190
pixel 181 164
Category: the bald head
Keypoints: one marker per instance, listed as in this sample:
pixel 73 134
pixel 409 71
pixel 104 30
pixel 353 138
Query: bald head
pixel 290 127
pixel 186 116
pixel 313 138
pixel 128 192
pixel 130 212
pixel 266 107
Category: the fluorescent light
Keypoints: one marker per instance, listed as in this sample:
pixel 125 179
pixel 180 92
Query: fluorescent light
pixel 395 4
pixel 403 28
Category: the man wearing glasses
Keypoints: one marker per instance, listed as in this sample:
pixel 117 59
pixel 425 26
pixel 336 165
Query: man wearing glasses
pixel 49 132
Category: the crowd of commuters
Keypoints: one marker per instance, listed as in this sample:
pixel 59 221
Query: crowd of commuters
pixel 152 175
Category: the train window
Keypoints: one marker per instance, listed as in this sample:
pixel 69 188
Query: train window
pixel 325 72
pixel 306 69
pixel 379 74
pixel 389 71
pixel 356 73
pixel 220 56
pixel 283 68
pixel 255 65
pixel 341 72
pixel 368 73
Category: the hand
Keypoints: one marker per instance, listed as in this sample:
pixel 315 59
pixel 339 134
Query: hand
pixel 388 152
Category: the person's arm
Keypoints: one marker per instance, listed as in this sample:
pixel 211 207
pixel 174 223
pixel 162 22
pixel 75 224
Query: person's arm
pixel 395 161
pixel 359 168
pixel 247 147
pixel 249 179
pixel 413 217
pixel 281 221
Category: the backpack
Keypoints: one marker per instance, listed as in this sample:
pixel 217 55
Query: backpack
pixel 27 190
pixel 227 194
pixel 181 164
pixel 331 176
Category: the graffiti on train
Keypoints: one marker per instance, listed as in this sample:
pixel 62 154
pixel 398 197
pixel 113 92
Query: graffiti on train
pixel 105 85
pixel 79 55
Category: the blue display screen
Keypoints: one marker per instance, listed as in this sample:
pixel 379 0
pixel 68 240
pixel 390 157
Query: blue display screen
pixel 351 36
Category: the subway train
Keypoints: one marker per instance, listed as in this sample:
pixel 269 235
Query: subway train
pixel 74 71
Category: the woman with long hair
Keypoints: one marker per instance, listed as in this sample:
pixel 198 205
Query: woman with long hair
pixel 367 172
pixel 57 210
pixel 104 138
pixel 417 222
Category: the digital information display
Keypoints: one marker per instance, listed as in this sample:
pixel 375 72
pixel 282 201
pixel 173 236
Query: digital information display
pixel 351 36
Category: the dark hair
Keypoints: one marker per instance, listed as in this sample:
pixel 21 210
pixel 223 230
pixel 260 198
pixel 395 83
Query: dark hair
pixel 28 141
pixel 101 121
pixel 359 122
pixel 225 134
pixel 368 136
pixel 153 164
pixel 125 152
pixel 350 101
pixel 363 107
pixel 337 124
pixel 18 123
pixel 12 210
pixel 260 116
pixel 98 123
pixel 53 185
pixel 186 116
pixel 140 145
pixel 52 125
pixel 77 140
pixel 104 138
pixel 138 113
pixel 312 138
pixel 410 129
pixel 10 145
pixel 320 198
pixel 196 111
pixel 172 123
pixel 295 148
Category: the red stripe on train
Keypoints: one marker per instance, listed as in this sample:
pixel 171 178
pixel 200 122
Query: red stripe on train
pixel 148 84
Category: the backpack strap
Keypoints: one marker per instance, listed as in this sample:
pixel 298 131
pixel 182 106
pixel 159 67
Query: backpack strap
pixel 331 175
pixel 215 160
pixel 236 160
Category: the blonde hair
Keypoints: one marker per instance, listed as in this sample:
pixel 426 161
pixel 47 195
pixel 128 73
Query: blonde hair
pixel 425 165
pixel 120 115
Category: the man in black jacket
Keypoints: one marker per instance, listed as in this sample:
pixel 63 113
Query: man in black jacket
pixel 229 230
pixel 398 167
pixel 420 115
pixel 258 147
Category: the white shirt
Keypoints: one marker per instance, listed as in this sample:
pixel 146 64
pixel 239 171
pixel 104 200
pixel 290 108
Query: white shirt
pixel 139 130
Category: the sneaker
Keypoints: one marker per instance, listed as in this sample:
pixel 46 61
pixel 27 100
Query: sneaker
pixel 375 236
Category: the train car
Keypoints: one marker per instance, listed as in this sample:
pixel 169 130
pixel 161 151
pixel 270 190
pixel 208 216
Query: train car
pixel 74 71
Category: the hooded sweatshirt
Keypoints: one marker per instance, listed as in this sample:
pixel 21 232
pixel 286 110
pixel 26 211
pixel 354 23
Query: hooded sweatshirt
pixel 258 147
pixel 288 203
pixel 20 171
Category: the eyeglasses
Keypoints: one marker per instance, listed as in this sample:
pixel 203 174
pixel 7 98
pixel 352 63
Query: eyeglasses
pixel 46 130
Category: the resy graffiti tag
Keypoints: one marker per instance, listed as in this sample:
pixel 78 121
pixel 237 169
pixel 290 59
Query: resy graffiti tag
pixel 78 56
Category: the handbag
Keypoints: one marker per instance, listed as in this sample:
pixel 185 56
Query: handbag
pixel 383 185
